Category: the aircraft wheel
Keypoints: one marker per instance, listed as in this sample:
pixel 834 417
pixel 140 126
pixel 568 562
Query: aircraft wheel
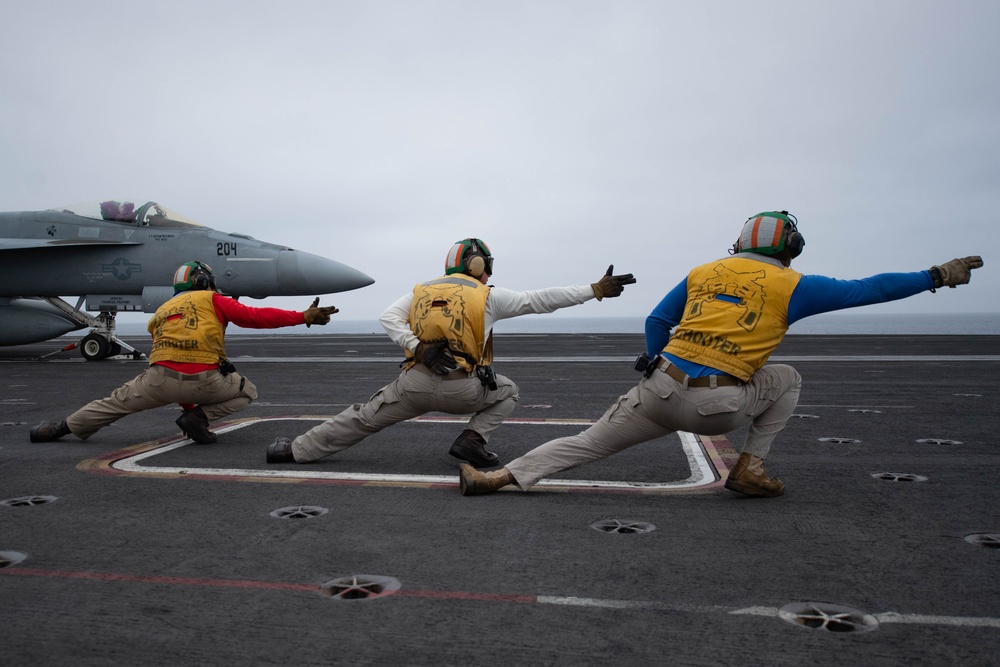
pixel 94 347
pixel 114 349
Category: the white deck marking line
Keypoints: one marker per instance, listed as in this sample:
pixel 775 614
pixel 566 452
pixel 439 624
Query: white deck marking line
pixel 702 472
pixel 924 619
pixel 836 405
pixel 951 358
pixel 265 404
pixel 883 617
pixel 577 360
pixel 629 360
pixel 894 617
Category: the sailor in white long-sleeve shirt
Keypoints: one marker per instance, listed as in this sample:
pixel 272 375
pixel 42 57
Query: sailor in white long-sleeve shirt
pixel 445 327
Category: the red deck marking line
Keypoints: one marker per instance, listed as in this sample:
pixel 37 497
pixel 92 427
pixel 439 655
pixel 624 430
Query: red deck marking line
pixel 160 579
pixel 254 584
pixel 719 449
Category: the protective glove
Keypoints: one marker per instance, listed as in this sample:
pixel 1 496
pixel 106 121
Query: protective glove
pixel 956 272
pixel 436 356
pixel 316 315
pixel 611 286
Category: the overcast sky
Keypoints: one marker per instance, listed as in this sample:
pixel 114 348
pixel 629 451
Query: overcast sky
pixel 568 135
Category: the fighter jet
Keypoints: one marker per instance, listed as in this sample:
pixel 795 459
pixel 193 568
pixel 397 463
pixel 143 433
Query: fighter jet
pixel 120 255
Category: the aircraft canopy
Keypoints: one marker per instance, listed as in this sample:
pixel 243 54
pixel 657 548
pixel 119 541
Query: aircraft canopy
pixel 149 214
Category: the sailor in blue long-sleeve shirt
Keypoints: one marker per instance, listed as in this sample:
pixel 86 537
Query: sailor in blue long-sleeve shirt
pixel 812 295
pixel 708 342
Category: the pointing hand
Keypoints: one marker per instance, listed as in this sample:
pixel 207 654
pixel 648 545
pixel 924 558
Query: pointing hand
pixel 956 272
pixel 611 285
pixel 316 315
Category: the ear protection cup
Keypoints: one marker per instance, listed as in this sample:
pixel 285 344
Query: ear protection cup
pixel 796 242
pixel 476 266
pixel 202 277
pixel 202 281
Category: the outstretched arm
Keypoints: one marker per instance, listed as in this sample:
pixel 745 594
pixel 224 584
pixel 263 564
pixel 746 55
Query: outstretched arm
pixel 504 303
pixel 821 294
pixel 231 310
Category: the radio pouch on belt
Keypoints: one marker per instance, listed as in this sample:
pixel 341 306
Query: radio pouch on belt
pixel 487 376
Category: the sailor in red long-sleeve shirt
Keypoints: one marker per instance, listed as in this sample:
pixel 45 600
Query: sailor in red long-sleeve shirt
pixel 188 363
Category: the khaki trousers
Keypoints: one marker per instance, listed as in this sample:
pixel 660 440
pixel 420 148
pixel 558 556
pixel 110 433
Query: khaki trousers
pixel 659 406
pixel 217 394
pixel 412 394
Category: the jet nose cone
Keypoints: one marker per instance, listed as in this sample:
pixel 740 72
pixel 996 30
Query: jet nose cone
pixel 304 273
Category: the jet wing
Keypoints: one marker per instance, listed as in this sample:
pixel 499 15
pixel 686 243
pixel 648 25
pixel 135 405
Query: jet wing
pixel 23 244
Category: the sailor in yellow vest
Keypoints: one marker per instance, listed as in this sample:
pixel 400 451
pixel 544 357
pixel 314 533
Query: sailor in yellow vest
pixel 710 376
pixel 445 327
pixel 187 364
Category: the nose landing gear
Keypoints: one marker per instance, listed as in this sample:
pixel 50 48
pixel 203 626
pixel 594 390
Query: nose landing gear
pixel 101 342
pixel 95 347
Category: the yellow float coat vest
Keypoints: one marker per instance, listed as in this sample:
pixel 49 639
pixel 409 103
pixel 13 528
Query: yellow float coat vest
pixel 186 329
pixel 735 316
pixel 453 308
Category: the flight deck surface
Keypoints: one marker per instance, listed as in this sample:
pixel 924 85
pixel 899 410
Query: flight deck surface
pixel 140 547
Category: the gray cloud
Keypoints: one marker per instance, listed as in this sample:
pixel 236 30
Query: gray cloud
pixel 569 135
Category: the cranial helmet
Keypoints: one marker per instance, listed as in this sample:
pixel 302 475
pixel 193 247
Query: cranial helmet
pixel 193 276
pixel 469 256
pixel 770 233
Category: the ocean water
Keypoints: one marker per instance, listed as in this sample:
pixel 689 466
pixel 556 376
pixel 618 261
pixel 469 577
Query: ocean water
pixel 919 324
pixel 825 324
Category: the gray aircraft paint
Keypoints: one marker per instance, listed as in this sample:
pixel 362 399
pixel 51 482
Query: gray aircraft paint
pixel 116 257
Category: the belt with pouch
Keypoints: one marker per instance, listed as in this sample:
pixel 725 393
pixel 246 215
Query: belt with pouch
pixel 711 381
pixel 458 374
pixel 171 373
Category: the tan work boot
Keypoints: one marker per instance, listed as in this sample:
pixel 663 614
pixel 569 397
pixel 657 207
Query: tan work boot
pixel 749 478
pixel 475 483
